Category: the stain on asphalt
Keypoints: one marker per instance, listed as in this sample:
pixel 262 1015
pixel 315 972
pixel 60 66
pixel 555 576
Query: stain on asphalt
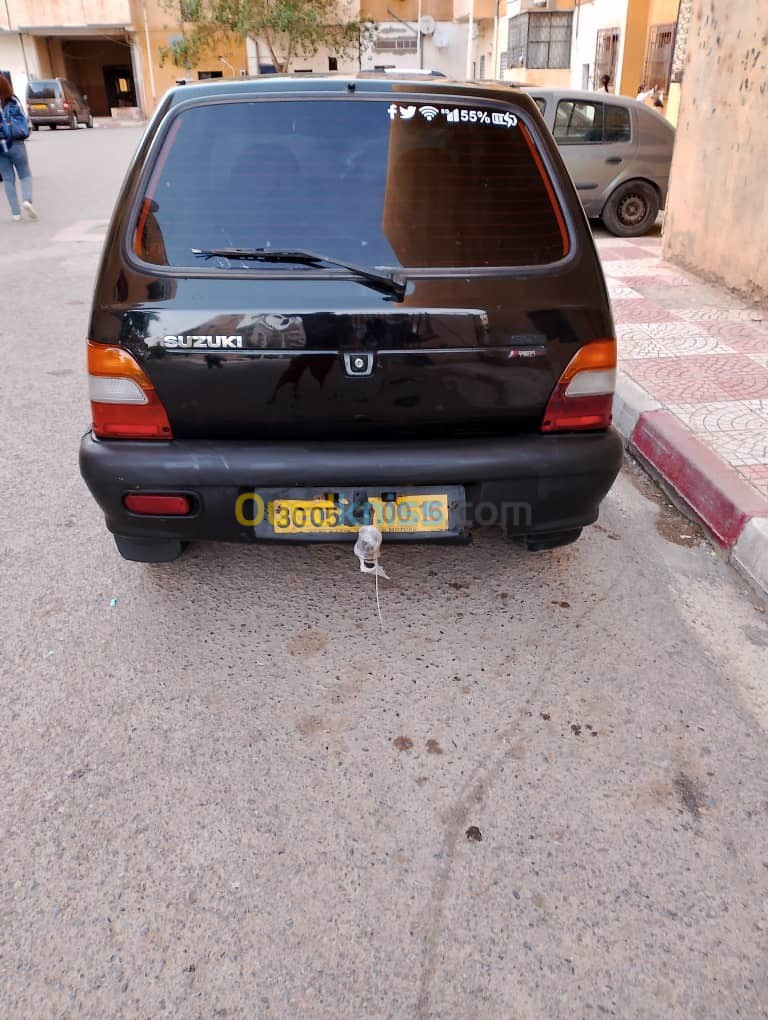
pixel 309 642
pixel 546 716
pixel 433 747
pixel 609 534
pixel 690 794
pixel 474 835
pixel 670 523
pixel 459 585
pixel 403 743
pixel 576 729
pixel 309 725
pixel 757 635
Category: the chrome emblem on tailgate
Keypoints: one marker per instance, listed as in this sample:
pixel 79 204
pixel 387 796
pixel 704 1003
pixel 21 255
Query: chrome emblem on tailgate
pixel 197 343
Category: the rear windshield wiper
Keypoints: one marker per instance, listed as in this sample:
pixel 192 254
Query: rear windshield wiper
pixel 386 282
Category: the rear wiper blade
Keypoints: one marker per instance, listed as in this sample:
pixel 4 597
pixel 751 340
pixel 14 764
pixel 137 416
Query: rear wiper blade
pixel 386 282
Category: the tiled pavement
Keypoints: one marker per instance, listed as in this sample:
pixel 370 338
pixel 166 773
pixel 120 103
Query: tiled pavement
pixel 696 349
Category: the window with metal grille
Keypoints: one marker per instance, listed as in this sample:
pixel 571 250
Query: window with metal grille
pixel 606 56
pixel 658 57
pixel 482 68
pixel 401 43
pixel 503 62
pixel 540 40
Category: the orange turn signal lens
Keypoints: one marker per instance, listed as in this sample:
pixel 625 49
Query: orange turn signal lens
pixel 583 396
pixel 124 403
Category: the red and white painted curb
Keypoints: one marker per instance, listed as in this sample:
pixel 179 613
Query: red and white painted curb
pixel 735 514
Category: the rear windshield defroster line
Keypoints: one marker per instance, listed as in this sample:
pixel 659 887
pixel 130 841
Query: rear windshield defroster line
pixel 388 186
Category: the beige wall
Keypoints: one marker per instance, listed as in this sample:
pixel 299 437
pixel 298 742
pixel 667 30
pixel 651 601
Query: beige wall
pixel 546 77
pixel 69 13
pixel 717 206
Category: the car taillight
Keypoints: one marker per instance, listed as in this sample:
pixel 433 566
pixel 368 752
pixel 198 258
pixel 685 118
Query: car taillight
pixel 583 397
pixel 65 106
pixel 124 404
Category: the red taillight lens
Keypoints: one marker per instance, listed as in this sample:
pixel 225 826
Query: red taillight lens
pixel 583 397
pixel 65 106
pixel 156 503
pixel 124 404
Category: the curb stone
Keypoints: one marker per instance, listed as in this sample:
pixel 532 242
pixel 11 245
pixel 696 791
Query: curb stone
pixel 714 494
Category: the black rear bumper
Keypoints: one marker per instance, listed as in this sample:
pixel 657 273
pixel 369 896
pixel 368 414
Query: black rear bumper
pixel 531 484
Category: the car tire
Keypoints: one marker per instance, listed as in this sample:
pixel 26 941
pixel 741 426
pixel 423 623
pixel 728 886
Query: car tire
pixel 54 126
pixel 73 125
pixel 35 127
pixel 632 209
pixel 149 550
pixel 89 122
pixel 548 540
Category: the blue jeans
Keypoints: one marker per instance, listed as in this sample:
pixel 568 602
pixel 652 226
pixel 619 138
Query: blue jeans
pixel 15 159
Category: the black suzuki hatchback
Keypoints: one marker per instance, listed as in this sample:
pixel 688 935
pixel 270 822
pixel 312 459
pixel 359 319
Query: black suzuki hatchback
pixel 333 301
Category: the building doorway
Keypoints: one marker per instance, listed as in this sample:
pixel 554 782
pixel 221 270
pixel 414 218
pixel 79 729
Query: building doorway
pixel 119 86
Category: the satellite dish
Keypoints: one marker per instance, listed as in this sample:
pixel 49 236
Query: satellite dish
pixel 440 39
pixel 427 24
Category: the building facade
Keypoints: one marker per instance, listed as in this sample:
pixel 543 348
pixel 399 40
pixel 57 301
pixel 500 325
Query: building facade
pixel 112 49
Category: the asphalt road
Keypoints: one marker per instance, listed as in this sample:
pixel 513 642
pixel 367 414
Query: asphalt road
pixel 541 792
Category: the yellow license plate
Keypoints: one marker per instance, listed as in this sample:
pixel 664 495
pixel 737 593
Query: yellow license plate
pixel 324 516
pixel 39 106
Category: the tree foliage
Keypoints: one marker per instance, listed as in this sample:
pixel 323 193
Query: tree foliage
pixel 290 28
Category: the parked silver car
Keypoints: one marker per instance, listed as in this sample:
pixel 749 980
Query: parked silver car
pixel 618 152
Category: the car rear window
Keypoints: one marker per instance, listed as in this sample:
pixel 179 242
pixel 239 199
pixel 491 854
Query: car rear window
pixel 42 90
pixel 380 183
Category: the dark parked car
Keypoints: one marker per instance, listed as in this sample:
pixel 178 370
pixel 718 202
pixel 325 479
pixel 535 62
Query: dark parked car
pixel 618 152
pixel 325 301
pixel 57 103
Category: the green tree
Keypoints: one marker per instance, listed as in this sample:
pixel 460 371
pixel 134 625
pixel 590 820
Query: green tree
pixel 290 28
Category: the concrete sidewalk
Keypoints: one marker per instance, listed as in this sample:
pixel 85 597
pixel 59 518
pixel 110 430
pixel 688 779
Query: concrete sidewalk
pixel 692 393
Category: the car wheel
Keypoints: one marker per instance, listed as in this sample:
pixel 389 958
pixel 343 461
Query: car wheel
pixel 54 126
pixel 632 209
pixel 547 540
pixel 35 127
pixel 149 550
pixel 73 125
pixel 89 122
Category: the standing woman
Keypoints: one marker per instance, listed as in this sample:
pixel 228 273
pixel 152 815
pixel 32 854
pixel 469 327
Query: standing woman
pixel 14 128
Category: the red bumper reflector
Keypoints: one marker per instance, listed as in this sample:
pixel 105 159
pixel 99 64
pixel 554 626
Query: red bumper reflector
pixel 154 503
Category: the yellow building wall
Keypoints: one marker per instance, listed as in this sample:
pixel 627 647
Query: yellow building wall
pixel 672 109
pixel 482 9
pixel 663 12
pixel 546 77
pixel 635 43
pixel 408 10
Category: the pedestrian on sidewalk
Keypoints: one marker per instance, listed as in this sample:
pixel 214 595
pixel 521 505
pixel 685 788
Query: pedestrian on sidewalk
pixel 14 128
